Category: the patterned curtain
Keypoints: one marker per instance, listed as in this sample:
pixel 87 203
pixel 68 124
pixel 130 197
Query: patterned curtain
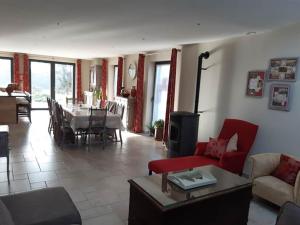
pixel 120 75
pixel 171 93
pixel 79 91
pixel 138 127
pixel 16 69
pixel 104 78
pixel 26 74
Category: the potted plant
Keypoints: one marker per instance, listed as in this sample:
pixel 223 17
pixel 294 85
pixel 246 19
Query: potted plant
pixel 151 129
pixel 159 130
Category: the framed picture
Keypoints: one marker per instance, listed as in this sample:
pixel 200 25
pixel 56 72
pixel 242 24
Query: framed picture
pixel 283 69
pixel 255 83
pixel 279 97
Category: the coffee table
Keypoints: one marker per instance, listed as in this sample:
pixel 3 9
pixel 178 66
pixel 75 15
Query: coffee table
pixel 156 201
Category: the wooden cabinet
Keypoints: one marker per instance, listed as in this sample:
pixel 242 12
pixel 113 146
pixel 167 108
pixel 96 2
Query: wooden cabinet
pixel 128 117
pixel 8 110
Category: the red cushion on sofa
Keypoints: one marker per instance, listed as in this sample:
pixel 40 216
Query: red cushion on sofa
pixel 176 164
pixel 216 147
pixel 287 169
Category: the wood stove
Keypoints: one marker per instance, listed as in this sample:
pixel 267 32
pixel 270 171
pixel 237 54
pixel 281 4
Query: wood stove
pixel 183 126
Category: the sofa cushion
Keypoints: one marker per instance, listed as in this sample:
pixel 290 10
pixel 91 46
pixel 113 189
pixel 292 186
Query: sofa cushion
pixel 273 189
pixel 42 207
pixel 216 147
pixel 180 163
pixel 5 217
pixel 287 169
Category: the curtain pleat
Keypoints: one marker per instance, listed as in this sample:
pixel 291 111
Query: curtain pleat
pixel 16 69
pixel 104 78
pixel 138 127
pixel 26 73
pixel 79 90
pixel 171 93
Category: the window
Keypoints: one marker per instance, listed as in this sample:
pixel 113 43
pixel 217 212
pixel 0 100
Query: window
pixel 115 80
pixel 51 79
pixel 5 71
pixel 161 80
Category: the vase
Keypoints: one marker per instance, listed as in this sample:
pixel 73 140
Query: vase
pixel 133 91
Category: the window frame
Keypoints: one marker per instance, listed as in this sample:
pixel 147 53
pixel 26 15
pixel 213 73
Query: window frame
pixel 154 83
pixel 52 76
pixel 115 82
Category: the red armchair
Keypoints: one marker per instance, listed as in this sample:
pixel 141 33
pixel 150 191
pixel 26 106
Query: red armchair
pixel 231 161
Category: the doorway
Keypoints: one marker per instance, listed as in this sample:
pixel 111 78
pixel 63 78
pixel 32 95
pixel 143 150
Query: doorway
pixel 51 79
pixel 160 90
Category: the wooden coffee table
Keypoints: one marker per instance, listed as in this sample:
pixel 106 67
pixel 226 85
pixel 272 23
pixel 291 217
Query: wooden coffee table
pixel 156 201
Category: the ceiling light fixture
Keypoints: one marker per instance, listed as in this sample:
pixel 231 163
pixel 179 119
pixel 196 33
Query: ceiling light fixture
pixel 251 33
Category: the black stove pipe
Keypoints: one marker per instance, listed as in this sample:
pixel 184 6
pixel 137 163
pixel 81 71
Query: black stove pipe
pixel 204 55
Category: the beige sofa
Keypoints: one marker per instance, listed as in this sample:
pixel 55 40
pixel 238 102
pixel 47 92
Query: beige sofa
pixel 269 187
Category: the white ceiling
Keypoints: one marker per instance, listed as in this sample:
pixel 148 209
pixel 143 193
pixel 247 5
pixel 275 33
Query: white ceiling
pixel 103 28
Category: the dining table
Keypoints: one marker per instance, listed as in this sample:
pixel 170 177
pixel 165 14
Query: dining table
pixel 78 117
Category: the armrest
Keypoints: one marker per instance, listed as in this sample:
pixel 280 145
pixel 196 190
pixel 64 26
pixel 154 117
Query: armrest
pixel 233 161
pixel 200 148
pixel 264 164
pixel 297 189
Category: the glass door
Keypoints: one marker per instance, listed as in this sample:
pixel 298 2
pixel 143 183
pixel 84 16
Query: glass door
pixel 64 82
pixel 51 79
pixel 40 73
pixel 160 92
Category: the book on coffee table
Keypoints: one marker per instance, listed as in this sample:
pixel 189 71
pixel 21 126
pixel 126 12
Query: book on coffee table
pixel 192 179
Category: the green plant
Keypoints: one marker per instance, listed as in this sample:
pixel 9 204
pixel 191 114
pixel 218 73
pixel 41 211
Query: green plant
pixel 151 129
pixel 159 124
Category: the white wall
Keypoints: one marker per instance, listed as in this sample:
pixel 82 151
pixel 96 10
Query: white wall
pixel 223 86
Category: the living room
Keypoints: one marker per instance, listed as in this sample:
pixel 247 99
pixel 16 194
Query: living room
pixel 240 38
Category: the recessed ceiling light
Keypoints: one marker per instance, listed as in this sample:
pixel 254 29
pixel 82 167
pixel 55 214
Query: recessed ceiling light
pixel 251 33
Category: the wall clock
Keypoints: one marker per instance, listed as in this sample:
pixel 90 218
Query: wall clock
pixel 132 71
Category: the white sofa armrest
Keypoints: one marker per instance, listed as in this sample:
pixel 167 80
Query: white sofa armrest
pixel 264 164
pixel 297 189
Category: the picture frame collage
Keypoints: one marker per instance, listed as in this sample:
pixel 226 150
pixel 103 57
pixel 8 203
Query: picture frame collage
pixel 283 70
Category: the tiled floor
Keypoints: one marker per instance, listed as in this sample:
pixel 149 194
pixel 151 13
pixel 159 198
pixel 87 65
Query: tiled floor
pixel 96 180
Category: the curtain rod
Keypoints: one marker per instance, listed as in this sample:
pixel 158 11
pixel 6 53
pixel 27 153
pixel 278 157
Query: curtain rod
pixel 155 53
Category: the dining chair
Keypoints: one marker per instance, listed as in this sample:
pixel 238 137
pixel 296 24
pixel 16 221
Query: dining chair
pixel 64 131
pixel 50 126
pixel 24 106
pixel 112 132
pixel 97 125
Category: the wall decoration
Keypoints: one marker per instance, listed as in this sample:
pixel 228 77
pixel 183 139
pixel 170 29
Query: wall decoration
pixel 279 97
pixel 283 69
pixel 255 83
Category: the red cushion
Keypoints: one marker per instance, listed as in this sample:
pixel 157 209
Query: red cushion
pixel 216 147
pixel 180 163
pixel 287 169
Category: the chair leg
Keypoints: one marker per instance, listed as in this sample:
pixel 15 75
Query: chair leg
pixel 150 172
pixel 7 168
pixel 120 134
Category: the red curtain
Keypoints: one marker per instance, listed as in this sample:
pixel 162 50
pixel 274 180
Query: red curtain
pixel 120 75
pixel 79 91
pixel 104 78
pixel 171 93
pixel 16 69
pixel 138 127
pixel 26 74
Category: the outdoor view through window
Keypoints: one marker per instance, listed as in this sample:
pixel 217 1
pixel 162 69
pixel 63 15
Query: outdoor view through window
pixel 5 72
pixel 42 87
